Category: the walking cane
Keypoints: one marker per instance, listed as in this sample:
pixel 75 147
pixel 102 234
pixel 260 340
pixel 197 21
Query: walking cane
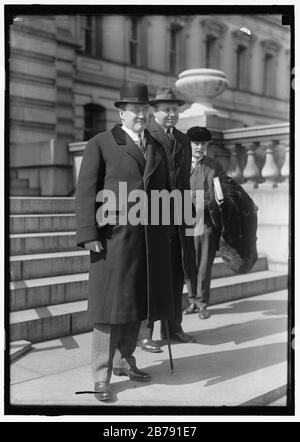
pixel 169 346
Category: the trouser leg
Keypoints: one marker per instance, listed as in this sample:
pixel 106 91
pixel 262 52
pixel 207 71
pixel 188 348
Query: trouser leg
pixel 178 282
pixel 146 329
pixel 206 247
pixel 113 340
pixel 103 348
pixel 127 340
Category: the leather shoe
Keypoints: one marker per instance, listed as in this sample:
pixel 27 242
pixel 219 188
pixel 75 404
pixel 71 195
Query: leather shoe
pixel 192 308
pixel 181 337
pixel 149 345
pixel 102 391
pixel 134 374
pixel 138 375
pixel 203 313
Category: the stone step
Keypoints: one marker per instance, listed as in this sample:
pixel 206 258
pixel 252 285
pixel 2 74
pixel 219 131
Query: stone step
pixel 17 182
pixel 18 348
pixel 44 292
pixel 243 286
pixel 42 223
pixel 53 321
pixel 41 265
pixel 13 173
pixel 22 205
pixel 220 269
pixel 43 241
pixel 28 243
pixel 24 191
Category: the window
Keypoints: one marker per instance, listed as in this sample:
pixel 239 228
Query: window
pixel 269 75
pixel 174 49
pixel 94 120
pixel 133 42
pixel 92 35
pixel 243 51
pixel 270 65
pixel 213 36
pixel 89 34
pixel 210 52
pixel 241 67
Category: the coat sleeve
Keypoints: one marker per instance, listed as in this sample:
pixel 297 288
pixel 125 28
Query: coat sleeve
pixel 89 183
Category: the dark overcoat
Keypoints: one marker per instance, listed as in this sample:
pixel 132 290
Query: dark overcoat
pixel 239 227
pixel 179 161
pixel 210 170
pixel 131 279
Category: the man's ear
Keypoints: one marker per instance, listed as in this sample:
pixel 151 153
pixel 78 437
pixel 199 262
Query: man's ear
pixel 121 113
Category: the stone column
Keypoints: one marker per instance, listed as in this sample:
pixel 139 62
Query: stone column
pixel 285 171
pixel 234 170
pixel 251 172
pixel 270 170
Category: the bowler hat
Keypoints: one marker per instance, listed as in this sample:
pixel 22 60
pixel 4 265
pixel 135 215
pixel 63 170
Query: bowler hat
pixel 197 133
pixel 166 95
pixel 132 92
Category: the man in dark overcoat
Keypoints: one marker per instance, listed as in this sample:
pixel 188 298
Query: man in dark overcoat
pixel 178 151
pixel 130 263
pixel 204 170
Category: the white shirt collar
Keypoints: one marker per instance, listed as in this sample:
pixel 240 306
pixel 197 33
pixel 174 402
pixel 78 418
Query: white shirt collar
pixel 134 136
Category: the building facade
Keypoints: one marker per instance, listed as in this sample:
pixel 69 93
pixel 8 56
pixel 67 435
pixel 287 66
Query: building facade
pixel 66 72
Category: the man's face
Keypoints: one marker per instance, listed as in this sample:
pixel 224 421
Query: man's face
pixel 199 149
pixel 166 114
pixel 135 116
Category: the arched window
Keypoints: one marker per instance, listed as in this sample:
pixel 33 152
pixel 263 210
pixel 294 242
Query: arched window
pixel 94 120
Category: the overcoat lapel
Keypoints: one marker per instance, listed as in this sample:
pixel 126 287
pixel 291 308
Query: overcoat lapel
pixel 159 134
pixel 177 146
pixel 206 170
pixel 154 157
pixel 132 149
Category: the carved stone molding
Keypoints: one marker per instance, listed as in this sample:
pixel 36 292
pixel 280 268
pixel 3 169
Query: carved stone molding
pixel 213 27
pixel 242 38
pixel 271 46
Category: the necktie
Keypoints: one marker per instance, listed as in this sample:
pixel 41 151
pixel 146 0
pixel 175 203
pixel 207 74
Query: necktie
pixel 171 138
pixel 141 145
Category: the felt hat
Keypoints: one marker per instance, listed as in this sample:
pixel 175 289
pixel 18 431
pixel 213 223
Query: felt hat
pixel 197 133
pixel 133 92
pixel 165 94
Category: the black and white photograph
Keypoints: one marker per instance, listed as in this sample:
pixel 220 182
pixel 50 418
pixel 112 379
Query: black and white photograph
pixel 149 195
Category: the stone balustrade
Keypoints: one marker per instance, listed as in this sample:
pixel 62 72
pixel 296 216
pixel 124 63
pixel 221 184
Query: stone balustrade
pixel 258 154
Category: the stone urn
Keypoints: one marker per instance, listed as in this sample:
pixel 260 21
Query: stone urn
pixel 200 86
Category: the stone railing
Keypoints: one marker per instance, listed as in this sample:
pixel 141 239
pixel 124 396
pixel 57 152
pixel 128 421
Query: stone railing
pixel 255 154
pixel 258 154
pixel 76 151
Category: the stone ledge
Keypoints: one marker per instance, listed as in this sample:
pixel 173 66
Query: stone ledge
pixel 18 348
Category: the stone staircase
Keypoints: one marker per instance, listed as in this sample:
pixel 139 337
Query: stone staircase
pixel 20 186
pixel 48 284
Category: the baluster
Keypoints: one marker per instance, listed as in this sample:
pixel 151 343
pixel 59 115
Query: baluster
pixel 234 170
pixel 285 171
pixel 251 172
pixel 270 170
